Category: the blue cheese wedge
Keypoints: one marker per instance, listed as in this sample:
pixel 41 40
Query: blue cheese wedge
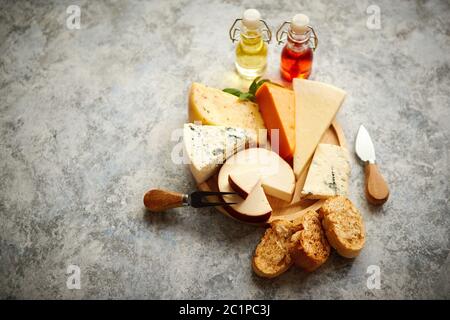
pixel 328 174
pixel 207 147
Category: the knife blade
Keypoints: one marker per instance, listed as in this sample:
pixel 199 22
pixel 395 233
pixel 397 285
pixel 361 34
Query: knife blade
pixel 364 146
pixel 376 188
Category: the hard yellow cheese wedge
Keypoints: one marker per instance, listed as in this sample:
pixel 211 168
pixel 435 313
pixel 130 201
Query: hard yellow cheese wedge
pixel 214 107
pixel 316 105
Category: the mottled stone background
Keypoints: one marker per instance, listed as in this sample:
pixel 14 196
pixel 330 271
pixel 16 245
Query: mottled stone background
pixel 86 121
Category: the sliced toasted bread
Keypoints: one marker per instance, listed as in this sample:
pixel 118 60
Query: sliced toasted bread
pixel 272 255
pixel 309 247
pixel 343 225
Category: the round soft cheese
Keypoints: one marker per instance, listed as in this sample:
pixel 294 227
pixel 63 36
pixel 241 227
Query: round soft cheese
pixel 248 166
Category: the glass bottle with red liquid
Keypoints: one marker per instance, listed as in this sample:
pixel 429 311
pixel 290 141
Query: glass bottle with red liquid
pixel 297 55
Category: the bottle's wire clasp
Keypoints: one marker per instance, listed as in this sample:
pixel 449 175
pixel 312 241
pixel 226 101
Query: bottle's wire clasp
pixel 235 31
pixel 282 34
pixel 267 32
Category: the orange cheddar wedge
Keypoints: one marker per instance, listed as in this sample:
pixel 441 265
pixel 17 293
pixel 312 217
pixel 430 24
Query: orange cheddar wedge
pixel 277 107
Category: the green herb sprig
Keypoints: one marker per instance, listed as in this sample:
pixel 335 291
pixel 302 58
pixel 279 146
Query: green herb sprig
pixel 250 95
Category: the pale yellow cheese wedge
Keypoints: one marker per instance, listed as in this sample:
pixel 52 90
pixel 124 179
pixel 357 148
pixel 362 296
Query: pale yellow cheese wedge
pixel 316 105
pixel 214 107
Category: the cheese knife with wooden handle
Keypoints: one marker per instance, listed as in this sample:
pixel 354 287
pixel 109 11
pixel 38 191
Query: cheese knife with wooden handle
pixel 377 190
pixel 158 200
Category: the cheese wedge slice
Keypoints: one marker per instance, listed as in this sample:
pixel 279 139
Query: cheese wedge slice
pixel 212 106
pixel 264 165
pixel 328 174
pixel 243 181
pixel 207 147
pixel 276 185
pixel 316 105
pixel 277 106
pixel 255 208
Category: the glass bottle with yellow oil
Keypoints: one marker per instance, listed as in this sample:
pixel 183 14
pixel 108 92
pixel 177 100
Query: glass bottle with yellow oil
pixel 251 50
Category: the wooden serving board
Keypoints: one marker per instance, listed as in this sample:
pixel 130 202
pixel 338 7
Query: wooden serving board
pixel 282 210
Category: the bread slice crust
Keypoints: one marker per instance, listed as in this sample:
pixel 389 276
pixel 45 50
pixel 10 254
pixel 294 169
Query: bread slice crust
pixel 343 225
pixel 272 255
pixel 309 247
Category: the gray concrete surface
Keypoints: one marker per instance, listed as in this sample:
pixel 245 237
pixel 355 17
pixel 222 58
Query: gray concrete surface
pixel 86 118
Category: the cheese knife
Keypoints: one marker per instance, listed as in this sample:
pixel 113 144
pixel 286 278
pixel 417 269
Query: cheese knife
pixel 157 200
pixel 376 188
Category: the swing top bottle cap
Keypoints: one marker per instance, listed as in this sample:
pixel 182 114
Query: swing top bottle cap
pixel 299 23
pixel 251 18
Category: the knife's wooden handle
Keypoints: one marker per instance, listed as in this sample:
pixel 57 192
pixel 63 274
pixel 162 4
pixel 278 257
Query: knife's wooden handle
pixel 157 200
pixel 377 190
